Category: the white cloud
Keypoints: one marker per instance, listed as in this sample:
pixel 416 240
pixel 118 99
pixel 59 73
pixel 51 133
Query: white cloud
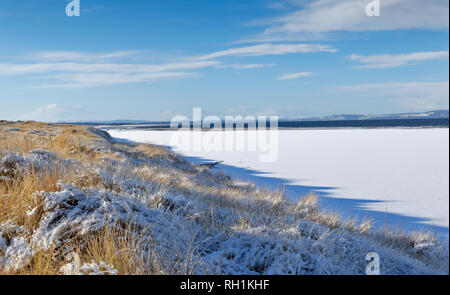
pixel 38 68
pixel 78 69
pixel 78 80
pixel 77 74
pixel 380 61
pixel 269 49
pixel 277 5
pixel 291 76
pixel 56 56
pixel 315 19
pixel 412 95
pixel 55 112
pixel 247 66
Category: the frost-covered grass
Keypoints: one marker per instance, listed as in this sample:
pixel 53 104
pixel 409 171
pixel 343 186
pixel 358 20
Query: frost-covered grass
pixel 73 201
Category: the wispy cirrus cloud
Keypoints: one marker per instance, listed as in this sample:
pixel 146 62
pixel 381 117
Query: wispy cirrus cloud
pixel 269 49
pixel 60 56
pixel 70 69
pixel 246 66
pixel 73 69
pixel 316 19
pixel 77 80
pixel 76 74
pixel 291 76
pixel 37 68
pixel 380 61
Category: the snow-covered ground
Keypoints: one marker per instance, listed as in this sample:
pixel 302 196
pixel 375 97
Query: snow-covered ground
pixel 398 177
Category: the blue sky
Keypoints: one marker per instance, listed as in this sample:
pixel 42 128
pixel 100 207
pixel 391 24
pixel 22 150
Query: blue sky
pixel 152 60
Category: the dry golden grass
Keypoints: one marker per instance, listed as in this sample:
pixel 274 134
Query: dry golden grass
pixel 149 150
pixel 116 247
pixel 67 141
pixel 18 196
pixel 42 263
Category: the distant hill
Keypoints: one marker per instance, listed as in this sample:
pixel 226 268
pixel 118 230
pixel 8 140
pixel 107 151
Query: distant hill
pixel 423 115
pixel 343 117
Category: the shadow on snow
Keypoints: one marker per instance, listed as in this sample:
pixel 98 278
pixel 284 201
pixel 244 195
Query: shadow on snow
pixel 346 207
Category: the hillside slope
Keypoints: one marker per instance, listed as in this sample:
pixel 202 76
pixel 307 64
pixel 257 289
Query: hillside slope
pixel 74 201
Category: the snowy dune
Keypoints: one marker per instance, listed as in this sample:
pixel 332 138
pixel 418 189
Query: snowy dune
pixel 397 177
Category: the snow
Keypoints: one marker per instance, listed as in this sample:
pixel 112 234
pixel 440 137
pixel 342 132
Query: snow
pixel 71 211
pixel 15 249
pixel 93 268
pixel 397 177
pixel 302 247
pixel 39 160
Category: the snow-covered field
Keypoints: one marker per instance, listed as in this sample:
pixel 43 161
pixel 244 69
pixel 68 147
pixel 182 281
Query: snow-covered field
pixel 397 177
